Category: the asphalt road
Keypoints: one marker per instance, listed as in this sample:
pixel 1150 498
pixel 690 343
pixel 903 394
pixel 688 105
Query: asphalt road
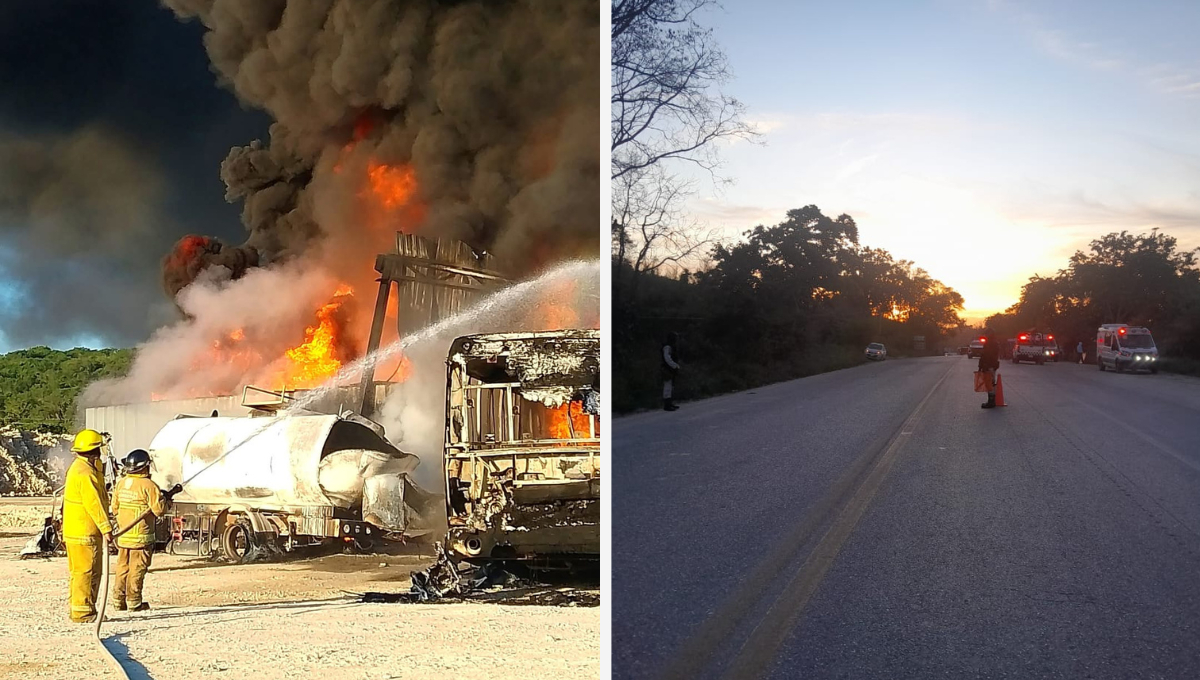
pixel 876 523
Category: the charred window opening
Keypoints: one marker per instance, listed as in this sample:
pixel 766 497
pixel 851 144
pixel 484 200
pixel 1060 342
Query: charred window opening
pixel 498 413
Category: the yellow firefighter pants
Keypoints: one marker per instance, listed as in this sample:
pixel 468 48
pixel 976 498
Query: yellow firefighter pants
pixel 132 565
pixel 83 561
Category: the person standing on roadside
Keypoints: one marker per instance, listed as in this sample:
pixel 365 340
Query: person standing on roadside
pixel 1080 352
pixel 989 362
pixel 670 368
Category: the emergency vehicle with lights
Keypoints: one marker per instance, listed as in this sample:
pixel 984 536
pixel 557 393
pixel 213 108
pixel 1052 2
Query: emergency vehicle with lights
pixel 1123 347
pixel 1036 347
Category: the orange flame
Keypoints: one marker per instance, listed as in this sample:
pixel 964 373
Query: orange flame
pixel 560 421
pixel 392 185
pixel 319 357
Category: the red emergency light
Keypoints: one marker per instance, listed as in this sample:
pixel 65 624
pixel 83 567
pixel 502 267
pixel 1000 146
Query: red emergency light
pixel 982 339
pixel 1121 331
pixel 1049 337
pixel 1024 337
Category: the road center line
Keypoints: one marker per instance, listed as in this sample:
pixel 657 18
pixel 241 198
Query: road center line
pixel 757 656
pixel 697 651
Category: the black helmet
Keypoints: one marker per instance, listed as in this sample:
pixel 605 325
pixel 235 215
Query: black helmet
pixel 137 459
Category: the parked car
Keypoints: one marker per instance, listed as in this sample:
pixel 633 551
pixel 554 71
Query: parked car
pixel 876 351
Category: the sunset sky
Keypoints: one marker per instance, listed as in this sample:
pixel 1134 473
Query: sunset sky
pixel 986 141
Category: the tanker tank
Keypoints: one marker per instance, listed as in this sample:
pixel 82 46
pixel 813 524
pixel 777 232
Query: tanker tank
pixel 262 484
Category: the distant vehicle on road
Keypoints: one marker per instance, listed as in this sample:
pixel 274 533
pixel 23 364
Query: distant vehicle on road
pixel 976 349
pixel 876 351
pixel 1009 344
pixel 1121 346
pixel 1035 347
pixel 964 350
pixel 1054 353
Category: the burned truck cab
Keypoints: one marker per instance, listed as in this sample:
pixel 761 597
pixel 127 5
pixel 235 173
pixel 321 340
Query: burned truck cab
pixel 522 451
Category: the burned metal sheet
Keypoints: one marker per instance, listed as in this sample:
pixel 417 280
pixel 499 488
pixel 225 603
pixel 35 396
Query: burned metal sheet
pixel 553 368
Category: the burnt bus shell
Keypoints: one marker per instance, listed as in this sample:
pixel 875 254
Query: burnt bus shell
pixel 522 451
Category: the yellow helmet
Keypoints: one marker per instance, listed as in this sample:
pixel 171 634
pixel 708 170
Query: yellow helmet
pixel 87 441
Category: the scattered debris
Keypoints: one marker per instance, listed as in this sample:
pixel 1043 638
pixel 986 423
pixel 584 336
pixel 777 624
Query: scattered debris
pixel 446 581
pixel 46 543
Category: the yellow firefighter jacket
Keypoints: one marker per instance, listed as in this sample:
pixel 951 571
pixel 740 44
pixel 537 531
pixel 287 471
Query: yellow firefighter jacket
pixel 85 504
pixel 133 495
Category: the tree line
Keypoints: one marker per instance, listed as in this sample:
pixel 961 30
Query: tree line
pixel 793 299
pixel 39 386
pixel 1138 279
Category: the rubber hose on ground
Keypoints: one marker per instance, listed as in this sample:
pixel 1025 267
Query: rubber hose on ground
pixel 104 586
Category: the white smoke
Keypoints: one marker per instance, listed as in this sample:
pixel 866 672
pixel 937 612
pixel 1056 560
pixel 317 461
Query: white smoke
pixel 271 307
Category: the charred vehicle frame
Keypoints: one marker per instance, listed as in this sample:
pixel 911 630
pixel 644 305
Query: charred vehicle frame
pixel 522 450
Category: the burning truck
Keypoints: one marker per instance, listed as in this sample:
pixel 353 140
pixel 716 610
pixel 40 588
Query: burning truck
pixel 522 456
pixel 253 486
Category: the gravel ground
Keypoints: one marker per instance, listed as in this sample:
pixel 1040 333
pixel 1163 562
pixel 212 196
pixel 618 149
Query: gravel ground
pixel 297 619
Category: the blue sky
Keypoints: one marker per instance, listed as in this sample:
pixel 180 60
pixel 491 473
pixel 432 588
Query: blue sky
pixel 984 140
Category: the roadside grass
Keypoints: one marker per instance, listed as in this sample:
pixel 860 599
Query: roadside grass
pixel 1180 365
pixel 640 385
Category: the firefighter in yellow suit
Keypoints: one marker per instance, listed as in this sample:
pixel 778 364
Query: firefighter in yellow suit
pixel 133 495
pixel 86 528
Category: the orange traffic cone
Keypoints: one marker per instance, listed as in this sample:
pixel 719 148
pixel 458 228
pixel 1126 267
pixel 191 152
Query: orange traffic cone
pixel 999 391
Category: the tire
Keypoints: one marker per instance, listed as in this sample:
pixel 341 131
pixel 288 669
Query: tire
pixel 1118 365
pixel 1154 370
pixel 1016 360
pixel 238 543
pixel 1100 363
pixel 1041 362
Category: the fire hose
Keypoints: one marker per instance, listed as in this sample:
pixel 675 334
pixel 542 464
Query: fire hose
pixel 104 583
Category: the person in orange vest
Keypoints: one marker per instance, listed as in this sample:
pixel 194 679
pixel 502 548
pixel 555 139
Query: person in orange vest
pixel 989 360
pixel 87 530
pixel 133 495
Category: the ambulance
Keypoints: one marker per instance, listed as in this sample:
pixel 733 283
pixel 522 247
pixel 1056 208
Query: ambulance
pixel 1121 347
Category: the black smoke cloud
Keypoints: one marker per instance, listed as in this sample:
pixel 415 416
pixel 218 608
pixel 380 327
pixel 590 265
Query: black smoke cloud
pixel 494 105
pixel 112 130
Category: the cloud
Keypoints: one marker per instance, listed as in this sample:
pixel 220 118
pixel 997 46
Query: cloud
pixel 1103 54
pixel 712 210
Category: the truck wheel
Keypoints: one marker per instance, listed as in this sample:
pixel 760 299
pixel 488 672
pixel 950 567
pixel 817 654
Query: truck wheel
pixel 1154 370
pixel 1119 366
pixel 237 542
pixel 1041 362
pixel 1100 363
pixel 1016 360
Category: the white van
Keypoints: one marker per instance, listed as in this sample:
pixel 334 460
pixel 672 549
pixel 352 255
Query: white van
pixel 1122 347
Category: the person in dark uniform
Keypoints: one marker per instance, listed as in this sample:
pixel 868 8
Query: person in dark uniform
pixel 989 360
pixel 670 368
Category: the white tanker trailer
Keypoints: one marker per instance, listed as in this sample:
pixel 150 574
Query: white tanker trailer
pixel 256 485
